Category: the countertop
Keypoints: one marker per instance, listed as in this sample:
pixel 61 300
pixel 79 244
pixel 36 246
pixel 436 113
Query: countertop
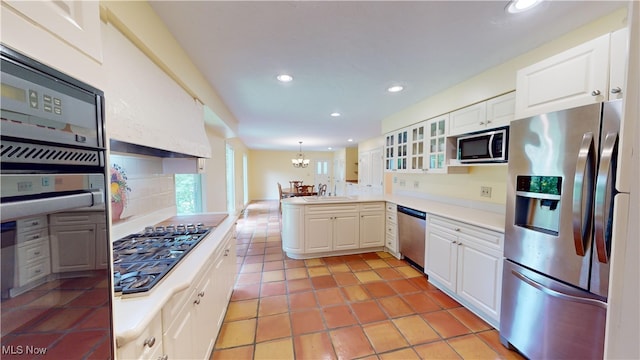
pixel 133 313
pixel 471 215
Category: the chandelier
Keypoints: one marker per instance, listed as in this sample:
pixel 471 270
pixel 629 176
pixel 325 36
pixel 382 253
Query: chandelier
pixel 300 161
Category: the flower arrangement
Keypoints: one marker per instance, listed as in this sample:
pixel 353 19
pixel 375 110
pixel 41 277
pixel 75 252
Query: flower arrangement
pixel 119 188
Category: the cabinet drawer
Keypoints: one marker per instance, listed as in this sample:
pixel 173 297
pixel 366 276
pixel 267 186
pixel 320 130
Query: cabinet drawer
pixel 392 207
pixel 33 235
pixel 330 209
pixel 391 217
pixel 73 218
pixel 30 224
pixel 372 207
pixel 481 235
pixel 147 345
pixel 33 251
pixel 33 271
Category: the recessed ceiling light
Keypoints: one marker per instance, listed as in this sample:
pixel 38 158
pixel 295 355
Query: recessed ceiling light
pixel 284 77
pixel 329 148
pixel 350 140
pixel 335 114
pixel 518 6
pixel 395 88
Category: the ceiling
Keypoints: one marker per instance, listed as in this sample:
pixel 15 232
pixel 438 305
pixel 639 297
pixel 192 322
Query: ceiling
pixel 344 54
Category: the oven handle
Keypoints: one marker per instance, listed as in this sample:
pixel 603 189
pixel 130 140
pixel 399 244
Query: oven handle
pixel 21 209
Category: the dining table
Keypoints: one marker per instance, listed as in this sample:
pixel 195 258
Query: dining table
pixel 291 192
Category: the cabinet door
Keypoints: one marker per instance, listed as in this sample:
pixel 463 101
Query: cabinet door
pixel 292 228
pixel 469 119
pixel 402 149
pixel 102 247
pixel 501 110
pixel 572 78
pixel 207 306
pixel 376 169
pixel 437 143
pixel 389 152
pixel 364 168
pixel 73 248
pixel 178 338
pixel 345 231
pixel 318 233
pixel 418 151
pixel 441 258
pixel 480 278
pixel 618 58
pixel 372 232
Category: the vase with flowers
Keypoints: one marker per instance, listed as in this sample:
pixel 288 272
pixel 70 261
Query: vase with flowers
pixel 119 190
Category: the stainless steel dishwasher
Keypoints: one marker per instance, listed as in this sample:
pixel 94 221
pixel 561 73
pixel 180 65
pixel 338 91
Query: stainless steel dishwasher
pixel 411 235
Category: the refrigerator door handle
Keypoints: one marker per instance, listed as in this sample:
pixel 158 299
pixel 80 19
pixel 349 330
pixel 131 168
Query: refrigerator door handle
pixel 603 206
pixel 584 174
pixel 558 294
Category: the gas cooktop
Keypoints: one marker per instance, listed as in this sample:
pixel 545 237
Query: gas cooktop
pixel 140 260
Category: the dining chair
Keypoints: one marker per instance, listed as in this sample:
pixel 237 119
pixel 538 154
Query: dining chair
pixel 305 189
pixel 294 184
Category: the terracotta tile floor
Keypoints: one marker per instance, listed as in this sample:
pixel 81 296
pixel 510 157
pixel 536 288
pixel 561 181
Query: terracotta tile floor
pixel 366 306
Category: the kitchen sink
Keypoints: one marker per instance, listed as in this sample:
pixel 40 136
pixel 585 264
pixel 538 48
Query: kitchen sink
pixel 327 198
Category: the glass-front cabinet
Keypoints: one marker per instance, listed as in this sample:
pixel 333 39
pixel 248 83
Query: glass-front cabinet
pixel 402 149
pixel 389 151
pixel 417 147
pixel 437 141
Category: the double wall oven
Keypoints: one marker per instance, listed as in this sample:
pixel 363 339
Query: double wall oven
pixel 56 262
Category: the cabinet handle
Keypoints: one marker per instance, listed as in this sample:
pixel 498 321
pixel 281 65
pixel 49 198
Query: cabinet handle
pixel 454 242
pixel 35 237
pixel 459 243
pixel 164 357
pixel 201 294
pixel 488 121
pixel 36 253
pixel 616 90
pixel 35 223
pixel 150 341
pixel 196 301
pixel 481 122
pixel 595 93
pixel 456 229
pixel 226 252
pixel 38 271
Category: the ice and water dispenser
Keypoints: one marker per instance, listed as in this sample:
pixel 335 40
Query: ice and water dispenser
pixel 538 203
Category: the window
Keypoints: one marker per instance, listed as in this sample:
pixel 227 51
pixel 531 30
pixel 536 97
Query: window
pixel 188 193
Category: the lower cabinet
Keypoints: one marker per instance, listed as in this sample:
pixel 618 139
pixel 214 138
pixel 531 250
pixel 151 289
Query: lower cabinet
pixel 192 318
pixel 83 238
pixel 466 262
pixel 391 229
pixel 329 228
pixel 372 224
pixel 148 345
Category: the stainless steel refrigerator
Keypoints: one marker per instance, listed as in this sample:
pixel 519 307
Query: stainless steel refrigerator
pixel 561 193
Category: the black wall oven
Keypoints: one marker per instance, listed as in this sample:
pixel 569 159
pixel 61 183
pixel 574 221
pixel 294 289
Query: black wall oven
pixel 56 257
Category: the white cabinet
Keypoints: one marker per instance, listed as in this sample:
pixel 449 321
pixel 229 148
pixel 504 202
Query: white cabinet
pixel 397 150
pixel 192 317
pixel 440 150
pixel 370 172
pixel 391 229
pixel 33 261
pixel 292 232
pixel 78 241
pixel 576 77
pixel 492 113
pixel 466 262
pixel 389 152
pixel 372 224
pixel 417 147
pixel 148 345
pixel 332 227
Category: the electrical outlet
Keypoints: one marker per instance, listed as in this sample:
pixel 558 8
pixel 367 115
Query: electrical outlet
pixel 416 184
pixel 485 191
pixel 403 183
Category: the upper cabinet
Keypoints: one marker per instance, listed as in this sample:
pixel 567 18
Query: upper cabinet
pixel 65 35
pixel 493 113
pixel 588 73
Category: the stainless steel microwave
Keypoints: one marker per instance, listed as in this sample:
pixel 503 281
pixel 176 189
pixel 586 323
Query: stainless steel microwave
pixel 489 146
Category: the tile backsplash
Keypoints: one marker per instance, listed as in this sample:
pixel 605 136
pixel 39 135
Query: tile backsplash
pixel 150 189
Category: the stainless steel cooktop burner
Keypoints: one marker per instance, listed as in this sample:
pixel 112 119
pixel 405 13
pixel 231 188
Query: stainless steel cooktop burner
pixel 140 260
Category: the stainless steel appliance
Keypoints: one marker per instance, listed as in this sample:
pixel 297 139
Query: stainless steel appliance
pixel 560 199
pixel 411 235
pixel 140 260
pixel 52 151
pixel 488 146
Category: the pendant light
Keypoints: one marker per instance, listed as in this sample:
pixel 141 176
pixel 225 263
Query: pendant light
pixel 300 161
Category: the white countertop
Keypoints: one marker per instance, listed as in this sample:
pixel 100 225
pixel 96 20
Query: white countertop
pixel 472 215
pixel 133 313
